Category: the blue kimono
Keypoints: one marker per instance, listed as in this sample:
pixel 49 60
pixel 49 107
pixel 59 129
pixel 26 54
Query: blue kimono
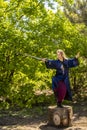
pixel 62 73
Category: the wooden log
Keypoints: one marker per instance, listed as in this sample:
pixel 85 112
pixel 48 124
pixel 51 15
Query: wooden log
pixel 60 116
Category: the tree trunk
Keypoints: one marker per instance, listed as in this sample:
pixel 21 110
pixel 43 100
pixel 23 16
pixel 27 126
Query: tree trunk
pixel 60 116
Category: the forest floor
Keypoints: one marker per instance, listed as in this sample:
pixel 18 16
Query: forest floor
pixel 36 118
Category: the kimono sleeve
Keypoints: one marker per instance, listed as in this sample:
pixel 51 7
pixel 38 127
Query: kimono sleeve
pixel 51 64
pixel 73 62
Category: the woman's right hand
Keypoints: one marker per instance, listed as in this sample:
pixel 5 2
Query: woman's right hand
pixel 44 59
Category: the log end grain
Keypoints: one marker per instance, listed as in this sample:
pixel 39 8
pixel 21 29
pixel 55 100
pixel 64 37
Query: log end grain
pixel 60 116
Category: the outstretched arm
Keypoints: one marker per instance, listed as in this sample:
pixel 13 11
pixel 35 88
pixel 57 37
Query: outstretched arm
pixel 50 64
pixel 74 61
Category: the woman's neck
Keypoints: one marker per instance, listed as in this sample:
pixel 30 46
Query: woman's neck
pixel 61 59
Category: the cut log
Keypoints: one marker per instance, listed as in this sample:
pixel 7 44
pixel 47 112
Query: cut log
pixel 60 116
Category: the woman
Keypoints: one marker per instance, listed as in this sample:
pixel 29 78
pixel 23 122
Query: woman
pixel 60 82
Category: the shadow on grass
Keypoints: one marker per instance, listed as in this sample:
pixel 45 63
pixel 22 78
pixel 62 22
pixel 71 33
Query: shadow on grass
pixel 23 117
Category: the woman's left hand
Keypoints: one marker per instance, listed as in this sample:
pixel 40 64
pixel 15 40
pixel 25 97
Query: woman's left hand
pixel 77 55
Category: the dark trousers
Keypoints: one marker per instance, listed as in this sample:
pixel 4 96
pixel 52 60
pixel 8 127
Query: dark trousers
pixel 60 91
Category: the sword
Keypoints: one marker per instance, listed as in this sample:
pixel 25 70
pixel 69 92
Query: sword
pixel 34 57
pixel 37 58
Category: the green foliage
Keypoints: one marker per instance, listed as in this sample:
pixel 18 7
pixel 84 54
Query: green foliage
pixel 27 27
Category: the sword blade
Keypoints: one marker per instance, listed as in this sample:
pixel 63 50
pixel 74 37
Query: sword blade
pixel 37 58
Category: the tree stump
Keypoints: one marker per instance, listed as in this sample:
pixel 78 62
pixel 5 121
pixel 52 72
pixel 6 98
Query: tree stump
pixel 60 116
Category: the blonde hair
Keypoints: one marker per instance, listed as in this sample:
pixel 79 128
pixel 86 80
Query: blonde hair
pixel 62 53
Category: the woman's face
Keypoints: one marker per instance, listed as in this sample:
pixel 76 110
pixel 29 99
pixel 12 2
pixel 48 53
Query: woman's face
pixel 59 55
